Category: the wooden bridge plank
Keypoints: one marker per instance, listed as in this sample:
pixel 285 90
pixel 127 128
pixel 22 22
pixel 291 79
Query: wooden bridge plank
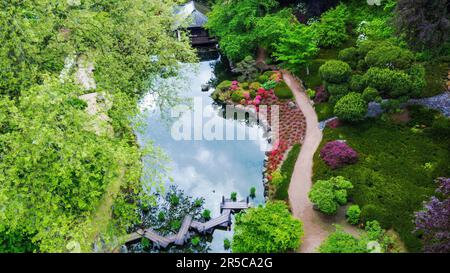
pixel 181 235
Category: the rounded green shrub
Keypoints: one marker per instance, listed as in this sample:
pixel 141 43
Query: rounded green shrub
pixel 353 214
pixel 327 195
pixel 335 71
pixel 282 91
pixel 370 94
pixel 237 96
pixel 393 83
pixel 223 86
pixel 337 89
pixel 389 56
pixel 349 55
pixel 351 107
pixel 357 83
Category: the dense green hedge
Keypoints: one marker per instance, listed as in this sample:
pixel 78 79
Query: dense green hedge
pixel 395 172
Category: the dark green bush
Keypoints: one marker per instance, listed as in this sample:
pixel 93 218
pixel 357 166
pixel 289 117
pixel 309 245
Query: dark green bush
pixel 391 105
pixel 337 89
pixel 388 56
pixel 373 212
pixel 282 91
pixel 357 83
pixel 370 94
pixel 391 83
pixel 350 55
pixel 351 107
pixel 418 80
pixel 334 71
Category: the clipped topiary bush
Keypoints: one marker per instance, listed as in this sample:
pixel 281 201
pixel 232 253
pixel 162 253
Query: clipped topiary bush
pixel 337 154
pixel 351 107
pixel 334 71
pixel 353 214
pixel 370 94
pixel 392 83
pixel 327 195
pixel 349 55
pixel 282 91
pixel 357 83
pixel 389 56
pixel 337 91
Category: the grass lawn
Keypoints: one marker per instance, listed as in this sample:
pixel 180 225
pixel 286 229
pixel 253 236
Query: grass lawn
pixel 395 171
pixel 286 169
pixel 324 110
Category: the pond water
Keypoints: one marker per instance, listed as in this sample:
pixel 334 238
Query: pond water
pixel 208 168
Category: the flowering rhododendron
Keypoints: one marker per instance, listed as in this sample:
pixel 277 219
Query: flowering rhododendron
pixel 234 83
pixel 338 154
pixel 246 95
pixel 434 220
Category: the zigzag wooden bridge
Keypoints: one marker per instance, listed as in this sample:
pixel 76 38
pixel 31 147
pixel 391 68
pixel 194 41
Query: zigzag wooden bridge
pixel 227 207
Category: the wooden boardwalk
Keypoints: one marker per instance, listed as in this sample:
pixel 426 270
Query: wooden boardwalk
pixel 227 207
pixel 183 234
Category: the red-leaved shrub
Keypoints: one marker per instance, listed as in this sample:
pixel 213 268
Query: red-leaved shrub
pixel 334 123
pixel 337 154
pixel 321 95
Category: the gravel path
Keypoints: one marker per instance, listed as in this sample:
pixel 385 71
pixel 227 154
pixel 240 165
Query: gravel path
pixel 316 225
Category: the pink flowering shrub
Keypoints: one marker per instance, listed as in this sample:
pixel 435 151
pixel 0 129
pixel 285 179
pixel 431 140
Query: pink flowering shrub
pixel 321 95
pixel 337 154
pixel 234 85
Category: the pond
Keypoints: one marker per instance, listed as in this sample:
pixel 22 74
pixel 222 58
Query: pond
pixel 203 168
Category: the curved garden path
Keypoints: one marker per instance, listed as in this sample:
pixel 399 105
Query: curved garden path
pixel 316 225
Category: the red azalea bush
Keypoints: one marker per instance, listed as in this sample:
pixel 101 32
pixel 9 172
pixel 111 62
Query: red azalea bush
pixel 337 154
pixel 321 95
pixel 276 156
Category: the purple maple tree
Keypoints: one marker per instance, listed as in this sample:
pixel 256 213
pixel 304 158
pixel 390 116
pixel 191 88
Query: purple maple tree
pixel 434 220
pixel 337 154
